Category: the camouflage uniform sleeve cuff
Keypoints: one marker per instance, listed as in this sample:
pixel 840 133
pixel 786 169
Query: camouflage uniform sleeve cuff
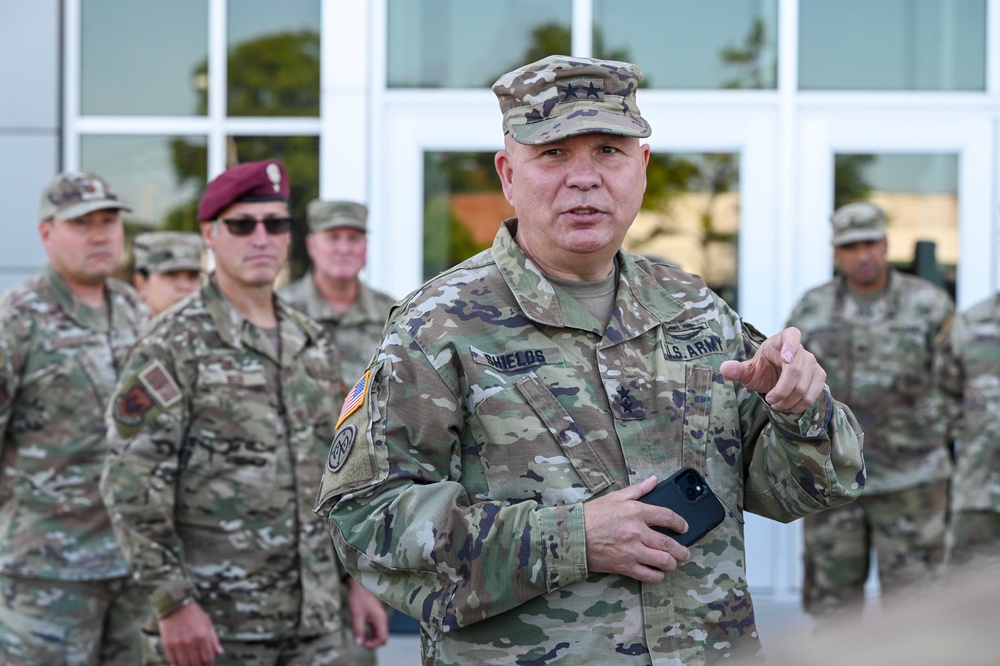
pixel 172 596
pixel 810 424
pixel 563 545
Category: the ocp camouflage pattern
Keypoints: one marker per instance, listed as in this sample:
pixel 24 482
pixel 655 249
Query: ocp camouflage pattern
pixel 215 459
pixel 355 333
pixel 968 368
pixel 58 365
pixel 496 408
pixel 880 363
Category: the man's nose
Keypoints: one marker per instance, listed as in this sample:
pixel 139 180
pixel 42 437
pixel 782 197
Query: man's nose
pixel 583 172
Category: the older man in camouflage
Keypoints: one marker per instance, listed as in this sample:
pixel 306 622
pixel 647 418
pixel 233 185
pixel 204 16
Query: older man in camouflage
pixel 485 470
pixel 65 595
pixel 968 368
pixel 224 408
pixel 332 292
pixel 873 329
pixel 167 267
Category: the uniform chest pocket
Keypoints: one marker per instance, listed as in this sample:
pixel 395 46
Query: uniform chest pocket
pixel 532 449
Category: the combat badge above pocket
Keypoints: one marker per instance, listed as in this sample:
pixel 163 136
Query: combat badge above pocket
pixel 356 460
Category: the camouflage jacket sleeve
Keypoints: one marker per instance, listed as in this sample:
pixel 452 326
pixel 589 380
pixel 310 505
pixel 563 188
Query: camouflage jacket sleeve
pixel 9 381
pixel 949 373
pixel 798 464
pixel 460 559
pixel 146 423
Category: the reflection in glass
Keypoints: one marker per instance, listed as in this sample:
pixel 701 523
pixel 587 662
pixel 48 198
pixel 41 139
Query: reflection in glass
pixel 691 216
pixel 919 193
pixel 164 43
pixel 892 45
pixel 300 155
pixel 160 185
pixel 462 44
pixel 273 58
pixel 463 207
pixel 692 44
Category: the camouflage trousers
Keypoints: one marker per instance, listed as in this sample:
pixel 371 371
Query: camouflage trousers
pixel 973 538
pixel 76 623
pixel 906 529
pixel 322 650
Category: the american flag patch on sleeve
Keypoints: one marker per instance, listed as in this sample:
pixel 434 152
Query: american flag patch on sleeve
pixel 355 398
pixel 160 384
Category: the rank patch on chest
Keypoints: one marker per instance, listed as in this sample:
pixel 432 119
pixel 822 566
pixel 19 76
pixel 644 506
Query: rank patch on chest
pixel 160 384
pixel 355 398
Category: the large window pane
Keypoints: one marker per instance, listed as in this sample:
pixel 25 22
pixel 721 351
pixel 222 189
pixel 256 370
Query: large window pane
pixel 892 45
pixel 143 58
pixel 692 44
pixel 273 58
pixel 462 44
pixel 691 217
pixel 160 177
pixel 300 155
pixel 919 193
pixel 463 207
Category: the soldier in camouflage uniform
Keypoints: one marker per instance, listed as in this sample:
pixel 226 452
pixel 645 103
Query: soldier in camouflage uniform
pixel 873 329
pixel 351 312
pixel 65 595
pixel 223 413
pixel 332 293
pixel 485 469
pixel 167 267
pixel 968 368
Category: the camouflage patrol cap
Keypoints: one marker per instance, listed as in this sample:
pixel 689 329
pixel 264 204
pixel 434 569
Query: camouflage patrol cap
pixel 560 96
pixel 73 194
pixel 324 215
pixel 165 251
pixel 265 180
pixel 861 221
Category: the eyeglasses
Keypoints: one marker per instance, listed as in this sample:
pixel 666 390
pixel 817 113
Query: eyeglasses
pixel 244 226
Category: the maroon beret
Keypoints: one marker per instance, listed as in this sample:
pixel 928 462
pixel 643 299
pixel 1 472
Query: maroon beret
pixel 266 180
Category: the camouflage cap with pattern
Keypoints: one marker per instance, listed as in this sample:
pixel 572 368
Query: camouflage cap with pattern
pixel 560 96
pixel 324 215
pixel 73 194
pixel 860 221
pixel 165 251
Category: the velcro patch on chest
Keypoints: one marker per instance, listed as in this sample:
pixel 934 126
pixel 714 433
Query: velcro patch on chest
pixel 689 342
pixel 160 384
pixel 517 359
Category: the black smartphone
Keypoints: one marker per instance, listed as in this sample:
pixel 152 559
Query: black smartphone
pixel 686 493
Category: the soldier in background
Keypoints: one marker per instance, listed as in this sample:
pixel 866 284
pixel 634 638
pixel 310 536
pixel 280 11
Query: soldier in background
pixel 332 293
pixel 167 267
pixel 873 329
pixel 486 468
pixel 968 368
pixel 65 593
pixel 218 427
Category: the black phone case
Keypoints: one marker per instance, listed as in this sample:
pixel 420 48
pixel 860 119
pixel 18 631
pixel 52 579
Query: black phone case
pixel 703 513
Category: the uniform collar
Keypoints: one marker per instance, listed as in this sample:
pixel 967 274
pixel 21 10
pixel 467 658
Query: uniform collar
pixel 362 310
pixel 641 302
pixel 297 330
pixel 78 311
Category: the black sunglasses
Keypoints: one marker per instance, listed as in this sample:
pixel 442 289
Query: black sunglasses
pixel 244 226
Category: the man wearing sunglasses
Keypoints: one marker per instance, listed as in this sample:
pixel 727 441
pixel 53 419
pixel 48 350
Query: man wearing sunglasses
pixel 223 411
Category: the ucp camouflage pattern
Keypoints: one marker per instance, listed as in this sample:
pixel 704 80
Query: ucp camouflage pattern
pixel 560 96
pixel 215 446
pixel 879 362
pixel 355 333
pixel 58 366
pixel 968 367
pixel 494 409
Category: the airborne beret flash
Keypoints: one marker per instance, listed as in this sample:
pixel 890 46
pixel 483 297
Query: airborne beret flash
pixel 266 180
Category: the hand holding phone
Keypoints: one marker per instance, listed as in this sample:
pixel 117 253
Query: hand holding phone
pixel 686 493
